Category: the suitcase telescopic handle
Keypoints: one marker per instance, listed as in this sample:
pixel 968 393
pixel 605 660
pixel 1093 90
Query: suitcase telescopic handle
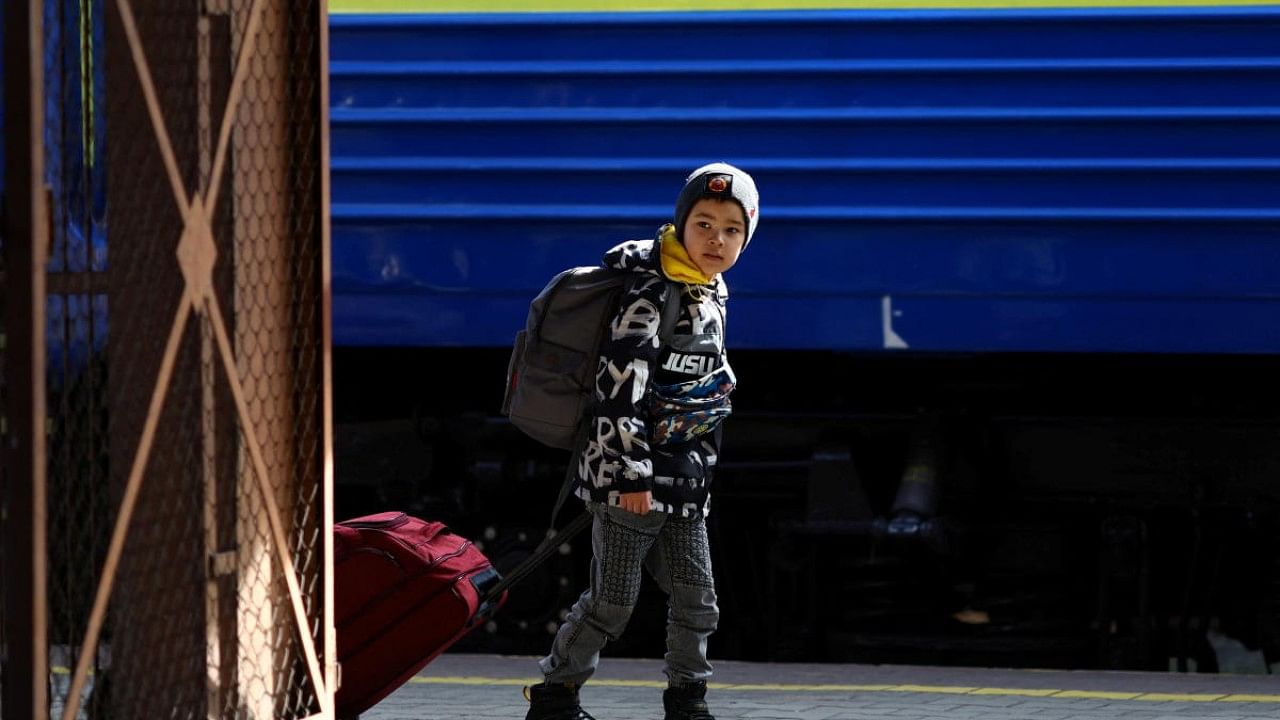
pixel 546 549
pixel 552 543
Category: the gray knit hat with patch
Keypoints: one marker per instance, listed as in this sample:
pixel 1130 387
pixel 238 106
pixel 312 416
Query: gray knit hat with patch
pixel 723 181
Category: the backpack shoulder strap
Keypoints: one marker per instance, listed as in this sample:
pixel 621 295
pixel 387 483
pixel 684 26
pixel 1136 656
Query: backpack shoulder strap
pixel 571 472
pixel 670 310
pixel 670 304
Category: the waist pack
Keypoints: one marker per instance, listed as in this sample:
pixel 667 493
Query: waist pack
pixel 690 409
pixel 551 374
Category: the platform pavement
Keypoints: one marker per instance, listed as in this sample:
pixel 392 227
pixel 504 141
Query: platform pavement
pixel 488 687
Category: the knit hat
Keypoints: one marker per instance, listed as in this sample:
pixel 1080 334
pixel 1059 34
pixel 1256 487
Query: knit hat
pixel 724 181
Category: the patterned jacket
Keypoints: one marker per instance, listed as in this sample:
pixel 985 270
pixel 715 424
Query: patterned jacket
pixel 658 404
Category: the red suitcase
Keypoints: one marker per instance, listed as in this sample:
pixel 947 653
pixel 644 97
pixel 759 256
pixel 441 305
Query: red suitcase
pixel 404 591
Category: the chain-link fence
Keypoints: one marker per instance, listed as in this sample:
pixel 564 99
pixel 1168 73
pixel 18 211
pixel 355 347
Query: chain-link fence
pixel 186 431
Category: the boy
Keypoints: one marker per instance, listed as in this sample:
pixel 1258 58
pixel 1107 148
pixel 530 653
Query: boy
pixel 646 471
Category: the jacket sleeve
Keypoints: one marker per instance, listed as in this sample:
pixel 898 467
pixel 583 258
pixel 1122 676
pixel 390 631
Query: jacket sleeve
pixel 628 354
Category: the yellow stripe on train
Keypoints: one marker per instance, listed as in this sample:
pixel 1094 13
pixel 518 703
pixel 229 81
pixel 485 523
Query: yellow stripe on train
pixel 495 6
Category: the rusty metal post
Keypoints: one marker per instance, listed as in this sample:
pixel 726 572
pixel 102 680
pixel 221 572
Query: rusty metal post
pixel 26 672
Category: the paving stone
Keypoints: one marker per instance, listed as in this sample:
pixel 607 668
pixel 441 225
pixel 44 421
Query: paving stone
pixel 632 690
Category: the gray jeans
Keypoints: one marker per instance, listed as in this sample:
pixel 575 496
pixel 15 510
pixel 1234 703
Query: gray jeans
pixel 676 554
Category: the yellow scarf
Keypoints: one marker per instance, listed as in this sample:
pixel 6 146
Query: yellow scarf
pixel 676 262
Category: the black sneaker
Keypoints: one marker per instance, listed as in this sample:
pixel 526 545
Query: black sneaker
pixel 687 702
pixel 552 701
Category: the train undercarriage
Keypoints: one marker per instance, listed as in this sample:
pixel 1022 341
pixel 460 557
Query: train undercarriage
pixel 1056 511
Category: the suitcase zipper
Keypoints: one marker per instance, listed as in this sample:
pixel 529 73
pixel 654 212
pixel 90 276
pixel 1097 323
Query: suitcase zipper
pixel 462 549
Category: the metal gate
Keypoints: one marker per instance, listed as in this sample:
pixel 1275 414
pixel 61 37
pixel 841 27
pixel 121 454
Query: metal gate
pixel 165 381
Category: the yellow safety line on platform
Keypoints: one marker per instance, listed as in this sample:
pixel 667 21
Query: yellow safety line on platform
pixel 836 687
pixel 1025 692
pixel 493 6
pixel 942 689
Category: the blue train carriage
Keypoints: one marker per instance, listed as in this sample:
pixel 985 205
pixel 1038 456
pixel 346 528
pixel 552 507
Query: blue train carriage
pixel 1006 338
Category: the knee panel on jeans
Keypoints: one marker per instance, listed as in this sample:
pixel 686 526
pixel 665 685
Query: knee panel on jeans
pixel 687 553
pixel 623 553
pixel 605 618
pixel 694 608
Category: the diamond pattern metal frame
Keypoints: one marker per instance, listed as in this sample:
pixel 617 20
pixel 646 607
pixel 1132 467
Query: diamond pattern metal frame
pixel 196 255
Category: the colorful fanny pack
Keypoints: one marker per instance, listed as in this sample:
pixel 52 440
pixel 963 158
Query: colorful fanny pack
pixel 684 411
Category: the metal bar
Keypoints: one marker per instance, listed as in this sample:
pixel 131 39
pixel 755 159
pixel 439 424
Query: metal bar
pixel 26 670
pixel 214 313
pixel 248 44
pixel 132 487
pixel 208 412
pixel 209 480
pixel 326 355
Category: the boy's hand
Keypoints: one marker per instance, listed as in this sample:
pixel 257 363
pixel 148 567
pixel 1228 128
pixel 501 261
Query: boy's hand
pixel 636 502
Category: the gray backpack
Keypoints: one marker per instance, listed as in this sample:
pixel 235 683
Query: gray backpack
pixel 552 372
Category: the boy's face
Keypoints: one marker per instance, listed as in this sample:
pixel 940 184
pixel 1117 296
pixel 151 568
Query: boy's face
pixel 714 234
